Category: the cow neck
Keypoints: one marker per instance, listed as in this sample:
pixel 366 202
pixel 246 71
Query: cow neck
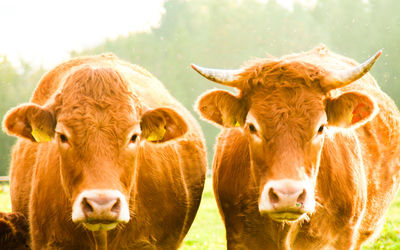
pixel 100 239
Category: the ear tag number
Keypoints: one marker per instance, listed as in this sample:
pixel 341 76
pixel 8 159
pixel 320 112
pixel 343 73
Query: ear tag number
pixel 156 135
pixel 40 135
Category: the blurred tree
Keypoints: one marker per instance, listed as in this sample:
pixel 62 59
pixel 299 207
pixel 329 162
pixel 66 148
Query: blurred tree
pixel 357 29
pixel 16 87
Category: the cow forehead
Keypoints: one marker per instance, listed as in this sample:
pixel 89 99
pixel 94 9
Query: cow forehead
pixel 87 117
pixel 97 101
pixel 279 109
pixel 105 85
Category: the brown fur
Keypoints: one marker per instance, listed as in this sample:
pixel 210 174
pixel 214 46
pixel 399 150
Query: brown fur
pixel 97 102
pixel 353 164
pixel 14 231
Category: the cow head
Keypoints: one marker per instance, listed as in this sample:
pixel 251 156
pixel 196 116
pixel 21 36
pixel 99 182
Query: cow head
pixel 97 125
pixel 284 108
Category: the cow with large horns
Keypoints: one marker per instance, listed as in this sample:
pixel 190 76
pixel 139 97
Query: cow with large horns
pixel 309 157
pixel 106 159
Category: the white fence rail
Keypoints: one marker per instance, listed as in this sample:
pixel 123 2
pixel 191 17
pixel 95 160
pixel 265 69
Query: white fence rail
pixel 4 178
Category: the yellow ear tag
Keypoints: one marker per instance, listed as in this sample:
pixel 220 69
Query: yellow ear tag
pixel 237 124
pixel 156 135
pixel 40 135
pixel 351 118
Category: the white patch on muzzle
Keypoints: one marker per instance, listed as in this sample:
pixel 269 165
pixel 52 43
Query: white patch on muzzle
pixel 287 199
pixel 100 209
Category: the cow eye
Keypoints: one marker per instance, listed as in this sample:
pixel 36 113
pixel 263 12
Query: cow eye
pixel 63 138
pixel 252 128
pixel 321 129
pixel 133 138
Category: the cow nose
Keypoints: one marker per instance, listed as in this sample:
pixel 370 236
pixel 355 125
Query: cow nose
pixel 286 199
pixel 100 209
pixel 287 196
pixel 101 206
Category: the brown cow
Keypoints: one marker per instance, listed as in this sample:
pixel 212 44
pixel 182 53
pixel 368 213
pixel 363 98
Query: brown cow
pixel 309 157
pixel 120 162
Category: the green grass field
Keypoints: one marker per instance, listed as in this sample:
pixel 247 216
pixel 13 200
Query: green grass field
pixel 207 231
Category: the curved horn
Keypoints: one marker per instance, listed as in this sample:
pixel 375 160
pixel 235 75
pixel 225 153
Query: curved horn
pixel 345 77
pixel 222 76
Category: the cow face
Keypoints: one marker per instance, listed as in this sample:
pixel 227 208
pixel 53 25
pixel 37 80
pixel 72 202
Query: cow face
pixel 97 126
pixel 285 111
pixel 285 129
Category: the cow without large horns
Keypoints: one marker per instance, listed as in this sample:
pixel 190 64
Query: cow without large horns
pixel 106 158
pixel 309 154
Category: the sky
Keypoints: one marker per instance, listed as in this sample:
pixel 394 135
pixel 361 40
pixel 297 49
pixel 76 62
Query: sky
pixel 44 32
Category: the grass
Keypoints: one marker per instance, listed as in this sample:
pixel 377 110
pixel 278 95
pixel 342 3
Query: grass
pixel 207 231
pixel 5 204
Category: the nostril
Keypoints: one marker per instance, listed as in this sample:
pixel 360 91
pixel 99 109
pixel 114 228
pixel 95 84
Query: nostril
pixel 86 207
pixel 116 207
pixel 302 197
pixel 273 197
pixel 100 206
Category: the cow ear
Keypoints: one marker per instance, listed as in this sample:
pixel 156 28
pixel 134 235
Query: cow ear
pixel 222 108
pixel 351 109
pixel 30 121
pixel 162 124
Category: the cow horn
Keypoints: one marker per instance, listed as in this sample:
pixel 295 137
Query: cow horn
pixel 345 77
pixel 222 76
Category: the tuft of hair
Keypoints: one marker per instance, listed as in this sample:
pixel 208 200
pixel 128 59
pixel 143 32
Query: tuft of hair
pixel 274 72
